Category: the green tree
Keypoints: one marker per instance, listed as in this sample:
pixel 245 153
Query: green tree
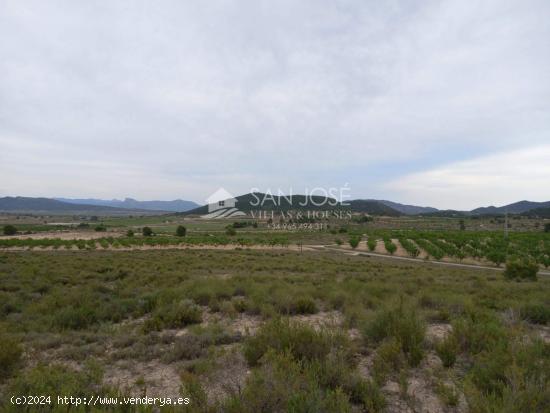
pixel 354 242
pixel 496 255
pixel 547 227
pixel 371 243
pixel 390 246
pixel 147 232
pixel 521 269
pixel 10 230
pixel 181 231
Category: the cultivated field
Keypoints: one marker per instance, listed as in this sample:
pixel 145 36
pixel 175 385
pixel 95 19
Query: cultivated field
pixel 274 321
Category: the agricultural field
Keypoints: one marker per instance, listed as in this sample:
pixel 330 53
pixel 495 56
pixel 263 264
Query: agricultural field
pixel 241 317
pixel 481 247
pixel 447 244
pixel 247 330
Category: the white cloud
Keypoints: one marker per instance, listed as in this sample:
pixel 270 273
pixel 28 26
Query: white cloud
pixel 263 93
pixel 497 179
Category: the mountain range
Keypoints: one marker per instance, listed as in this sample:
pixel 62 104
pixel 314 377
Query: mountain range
pixel 515 208
pixel 29 205
pixel 247 202
pixel 177 205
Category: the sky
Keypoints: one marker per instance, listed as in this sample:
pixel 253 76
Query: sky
pixel 439 103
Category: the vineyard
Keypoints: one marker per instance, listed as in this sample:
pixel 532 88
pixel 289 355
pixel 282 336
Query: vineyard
pixel 136 242
pixel 489 246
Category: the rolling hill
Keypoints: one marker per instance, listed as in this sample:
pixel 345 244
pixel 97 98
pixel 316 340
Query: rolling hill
pixel 177 205
pixel 373 207
pixel 30 205
pixel 407 209
pixel 250 202
pixel 515 208
pixel 538 213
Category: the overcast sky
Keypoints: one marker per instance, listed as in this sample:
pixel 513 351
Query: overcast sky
pixel 443 103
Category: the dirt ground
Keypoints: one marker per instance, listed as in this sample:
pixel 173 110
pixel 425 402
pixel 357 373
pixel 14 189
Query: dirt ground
pixel 65 235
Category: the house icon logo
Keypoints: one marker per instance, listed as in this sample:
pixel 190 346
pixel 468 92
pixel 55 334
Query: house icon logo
pixel 221 204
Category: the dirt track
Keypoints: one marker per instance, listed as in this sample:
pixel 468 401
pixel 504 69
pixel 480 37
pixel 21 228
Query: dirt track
pixel 393 257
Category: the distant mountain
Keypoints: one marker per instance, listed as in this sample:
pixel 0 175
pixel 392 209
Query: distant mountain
pixel 21 204
pixel 373 207
pixel 250 202
pixel 407 209
pixel 538 213
pixel 177 205
pixel 515 208
pixel 447 213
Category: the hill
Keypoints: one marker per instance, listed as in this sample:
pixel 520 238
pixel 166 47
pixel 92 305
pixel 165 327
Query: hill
pixel 373 207
pixel 515 208
pixel 21 204
pixel 177 205
pixel 267 202
pixel 407 209
pixel 447 213
pixel 538 213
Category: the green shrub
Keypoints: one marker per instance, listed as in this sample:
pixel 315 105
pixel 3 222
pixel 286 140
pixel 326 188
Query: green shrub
pixel 447 350
pixel 511 376
pixel 354 242
pixel 75 317
pixel 478 331
pixel 284 384
pixel 229 230
pixel 10 355
pixel 57 380
pixel 193 389
pixel 389 358
pixel 535 313
pixel 403 324
pixel 371 243
pixel 10 230
pixel 300 340
pixel 305 305
pixel 130 233
pixel 147 231
pixel 288 304
pixel 336 401
pixel 521 269
pixel 100 228
pixel 448 394
pixel 409 246
pixel 240 304
pixel 195 344
pixel 181 231
pixel 368 393
pixel 390 246
pixel 175 315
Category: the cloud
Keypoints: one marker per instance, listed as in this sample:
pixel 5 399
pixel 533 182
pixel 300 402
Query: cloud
pixel 496 179
pixel 257 93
